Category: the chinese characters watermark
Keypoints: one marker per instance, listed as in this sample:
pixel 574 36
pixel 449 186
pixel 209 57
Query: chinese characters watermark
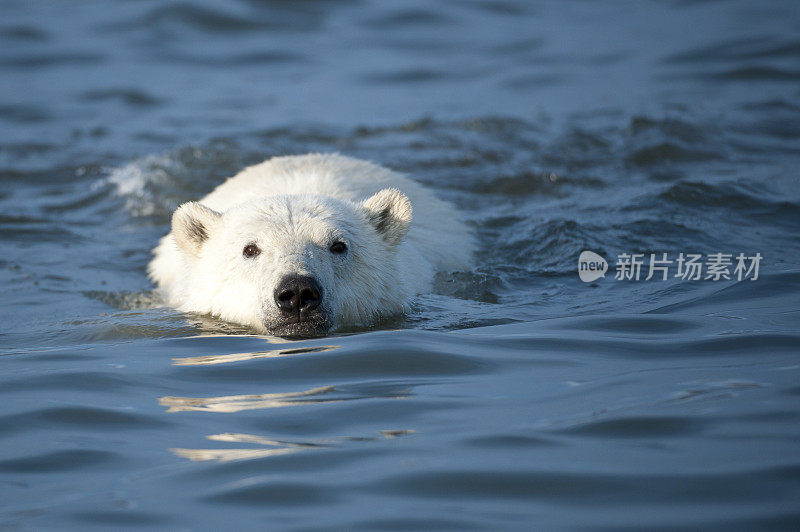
pixel 660 266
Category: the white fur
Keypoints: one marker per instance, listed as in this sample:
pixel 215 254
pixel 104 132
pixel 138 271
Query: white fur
pixel 294 208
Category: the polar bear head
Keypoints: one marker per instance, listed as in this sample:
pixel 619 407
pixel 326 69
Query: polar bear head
pixel 294 265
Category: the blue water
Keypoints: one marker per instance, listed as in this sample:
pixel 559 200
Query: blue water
pixel 514 397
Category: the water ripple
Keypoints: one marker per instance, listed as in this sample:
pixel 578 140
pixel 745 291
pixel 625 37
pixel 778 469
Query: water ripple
pixel 78 417
pixel 77 459
pixel 374 357
pixel 639 427
pixel 270 493
pixel 589 489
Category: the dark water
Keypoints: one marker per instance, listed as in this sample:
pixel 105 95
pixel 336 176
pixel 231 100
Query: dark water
pixel 515 397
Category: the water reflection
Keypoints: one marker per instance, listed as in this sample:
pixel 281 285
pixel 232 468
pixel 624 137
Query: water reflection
pixel 276 447
pixel 272 447
pixel 238 357
pixel 251 438
pixel 237 403
pixel 229 455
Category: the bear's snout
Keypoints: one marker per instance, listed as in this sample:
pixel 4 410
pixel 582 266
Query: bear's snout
pixel 298 296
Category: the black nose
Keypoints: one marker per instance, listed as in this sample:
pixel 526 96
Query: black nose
pixel 298 295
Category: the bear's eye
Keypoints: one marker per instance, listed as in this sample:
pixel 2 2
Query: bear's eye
pixel 250 251
pixel 338 248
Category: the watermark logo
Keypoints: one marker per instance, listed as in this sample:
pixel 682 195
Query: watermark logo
pixel 686 266
pixel 591 266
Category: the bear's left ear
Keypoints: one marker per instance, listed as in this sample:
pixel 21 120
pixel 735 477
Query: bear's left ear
pixel 389 211
pixel 191 225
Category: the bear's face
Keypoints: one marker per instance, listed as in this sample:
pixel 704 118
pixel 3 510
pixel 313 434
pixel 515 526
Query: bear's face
pixel 294 265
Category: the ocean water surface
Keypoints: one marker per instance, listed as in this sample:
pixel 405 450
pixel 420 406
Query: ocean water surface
pixel 514 397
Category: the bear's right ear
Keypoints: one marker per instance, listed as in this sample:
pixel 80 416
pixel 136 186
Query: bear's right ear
pixel 191 225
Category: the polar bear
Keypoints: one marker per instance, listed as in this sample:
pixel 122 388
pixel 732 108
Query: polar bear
pixel 303 245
